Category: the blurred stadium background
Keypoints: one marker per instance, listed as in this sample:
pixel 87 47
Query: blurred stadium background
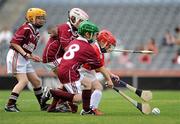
pixel 135 23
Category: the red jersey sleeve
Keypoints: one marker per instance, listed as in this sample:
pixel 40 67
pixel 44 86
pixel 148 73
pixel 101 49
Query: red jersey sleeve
pixel 99 56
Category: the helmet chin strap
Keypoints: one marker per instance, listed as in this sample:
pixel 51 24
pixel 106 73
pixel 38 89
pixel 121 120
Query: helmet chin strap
pixel 72 26
pixel 90 40
pixel 102 48
pixel 37 26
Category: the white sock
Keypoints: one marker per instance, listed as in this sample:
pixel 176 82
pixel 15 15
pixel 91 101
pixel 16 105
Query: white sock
pixel 95 99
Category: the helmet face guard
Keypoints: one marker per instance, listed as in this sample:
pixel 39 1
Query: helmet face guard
pixel 35 13
pixel 77 15
pixel 91 28
pixel 106 40
pixel 92 37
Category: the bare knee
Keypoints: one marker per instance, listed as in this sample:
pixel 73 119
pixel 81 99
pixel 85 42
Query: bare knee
pixel 22 82
pixel 96 85
pixel 77 98
pixel 87 83
pixel 36 82
pixel 22 79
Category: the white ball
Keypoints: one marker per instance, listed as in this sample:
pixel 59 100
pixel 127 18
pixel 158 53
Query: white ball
pixel 156 111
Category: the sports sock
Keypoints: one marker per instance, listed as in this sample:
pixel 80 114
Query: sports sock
pixel 13 98
pixel 65 96
pixel 38 93
pixel 86 95
pixel 95 98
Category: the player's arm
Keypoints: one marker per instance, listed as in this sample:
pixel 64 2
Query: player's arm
pixel 105 73
pixel 26 55
pixel 18 48
pixel 113 75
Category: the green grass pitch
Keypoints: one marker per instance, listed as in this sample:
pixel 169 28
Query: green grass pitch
pixel 117 110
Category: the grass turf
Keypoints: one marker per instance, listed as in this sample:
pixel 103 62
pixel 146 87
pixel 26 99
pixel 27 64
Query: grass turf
pixel 117 110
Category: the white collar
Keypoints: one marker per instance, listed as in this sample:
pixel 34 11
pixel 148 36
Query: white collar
pixel 69 24
pixel 82 38
pixel 35 30
pixel 97 44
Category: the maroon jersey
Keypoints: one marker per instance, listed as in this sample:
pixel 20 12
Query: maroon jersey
pixel 78 53
pixel 66 34
pixel 27 37
pixel 56 46
pixel 53 50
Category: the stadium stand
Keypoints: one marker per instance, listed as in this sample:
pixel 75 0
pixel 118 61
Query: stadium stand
pixel 2 2
pixel 132 22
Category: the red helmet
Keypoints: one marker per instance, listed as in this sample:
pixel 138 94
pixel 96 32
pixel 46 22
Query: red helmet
pixel 107 38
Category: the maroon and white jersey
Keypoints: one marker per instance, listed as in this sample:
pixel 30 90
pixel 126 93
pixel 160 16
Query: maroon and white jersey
pixel 56 46
pixel 66 34
pixel 27 37
pixel 78 52
pixel 53 50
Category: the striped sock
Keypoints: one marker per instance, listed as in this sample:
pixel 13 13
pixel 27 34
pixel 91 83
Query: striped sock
pixel 13 98
pixel 38 93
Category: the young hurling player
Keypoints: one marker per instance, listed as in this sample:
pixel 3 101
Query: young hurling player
pixel 78 53
pixel 106 42
pixel 60 38
pixel 22 45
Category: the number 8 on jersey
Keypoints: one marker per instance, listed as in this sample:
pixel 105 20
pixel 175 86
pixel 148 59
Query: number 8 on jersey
pixel 70 53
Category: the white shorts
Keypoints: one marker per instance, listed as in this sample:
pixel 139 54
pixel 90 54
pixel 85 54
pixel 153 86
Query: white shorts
pixel 88 73
pixel 100 77
pixel 92 74
pixel 75 87
pixel 52 65
pixel 16 63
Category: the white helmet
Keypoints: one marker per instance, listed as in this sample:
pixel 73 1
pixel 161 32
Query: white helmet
pixel 77 14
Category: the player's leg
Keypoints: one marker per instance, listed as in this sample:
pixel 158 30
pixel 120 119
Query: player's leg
pixel 71 92
pixel 70 88
pixel 16 65
pixel 86 96
pixel 52 106
pixel 22 82
pixel 37 87
pixel 86 93
pixel 60 94
pixel 59 105
pixel 96 97
pixel 77 90
pixel 97 90
pixel 55 102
